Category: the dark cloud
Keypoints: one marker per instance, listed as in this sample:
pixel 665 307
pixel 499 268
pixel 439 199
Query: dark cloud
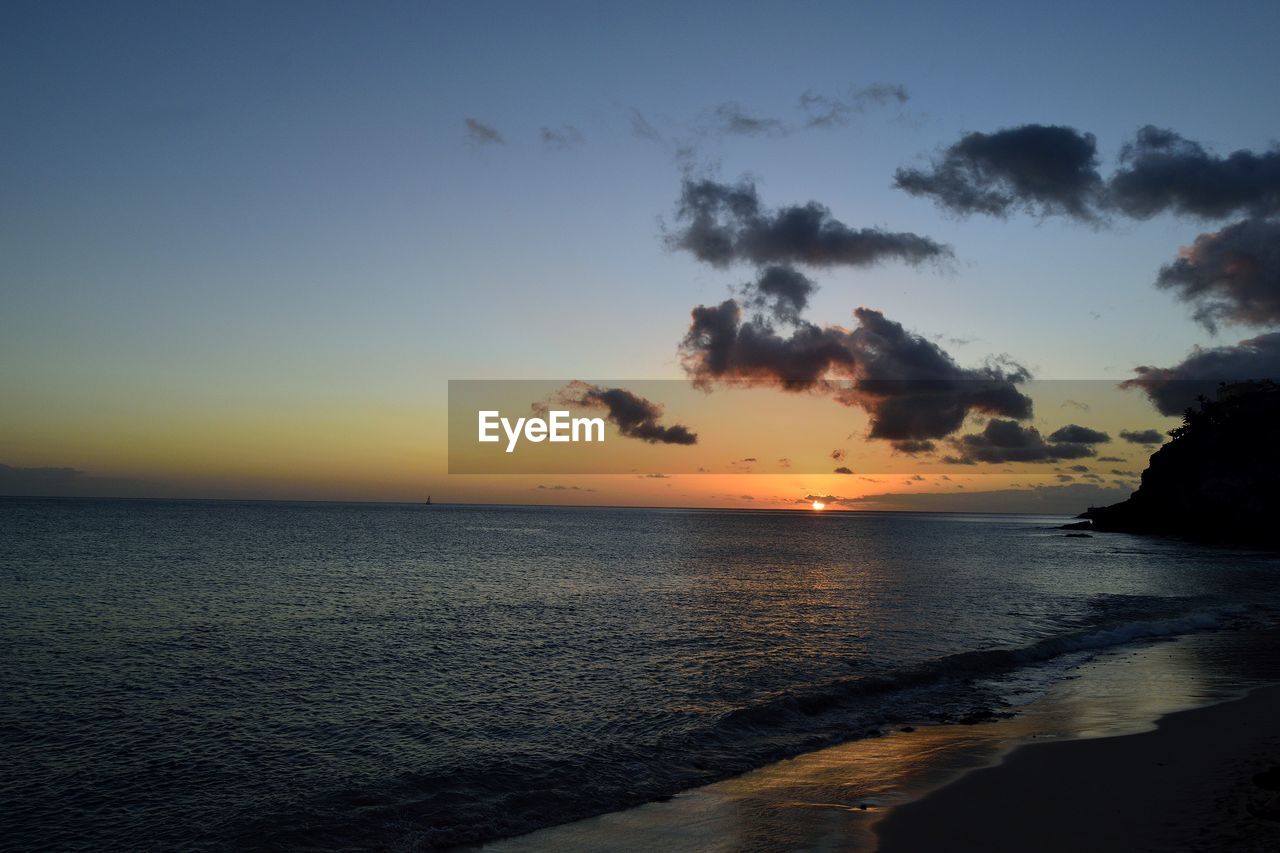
pixel 72 482
pixel 1009 441
pixel 1111 459
pixel 842 470
pixel 1041 169
pixel 562 138
pixel 914 391
pixel 1174 389
pixel 1162 171
pixel 478 133
pixel 633 415
pixel 838 454
pixel 1053 170
pixel 560 488
pixel 1231 275
pixel 1145 436
pixel 913 447
pixel 721 345
pixel 911 388
pixel 781 291
pixel 724 223
pixel 1074 434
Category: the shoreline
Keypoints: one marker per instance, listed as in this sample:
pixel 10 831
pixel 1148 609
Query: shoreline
pixel 844 797
pixel 1186 785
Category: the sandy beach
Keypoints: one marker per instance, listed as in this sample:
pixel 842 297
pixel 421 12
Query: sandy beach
pixel 1152 749
pixel 1191 784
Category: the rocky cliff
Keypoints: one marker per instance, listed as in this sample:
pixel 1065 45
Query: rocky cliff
pixel 1218 478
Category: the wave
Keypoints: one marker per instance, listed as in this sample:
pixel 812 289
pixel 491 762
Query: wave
pixel 480 803
pixel 965 666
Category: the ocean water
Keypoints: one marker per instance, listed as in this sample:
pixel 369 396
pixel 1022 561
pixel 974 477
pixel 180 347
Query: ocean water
pixel 213 675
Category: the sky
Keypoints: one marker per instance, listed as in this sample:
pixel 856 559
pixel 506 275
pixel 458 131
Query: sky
pixel 244 247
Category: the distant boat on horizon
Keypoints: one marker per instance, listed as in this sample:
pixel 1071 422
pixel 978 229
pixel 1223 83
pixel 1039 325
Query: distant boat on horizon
pixel 428 500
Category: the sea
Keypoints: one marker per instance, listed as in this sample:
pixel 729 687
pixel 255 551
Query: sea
pixel 214 675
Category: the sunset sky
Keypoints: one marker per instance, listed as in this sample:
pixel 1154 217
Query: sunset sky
pixel 245 247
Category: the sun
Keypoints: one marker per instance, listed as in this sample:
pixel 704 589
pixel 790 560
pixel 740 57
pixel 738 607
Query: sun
pixel 819 505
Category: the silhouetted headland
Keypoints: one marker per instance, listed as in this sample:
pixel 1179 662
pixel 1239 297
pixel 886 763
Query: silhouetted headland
pixel 1218 477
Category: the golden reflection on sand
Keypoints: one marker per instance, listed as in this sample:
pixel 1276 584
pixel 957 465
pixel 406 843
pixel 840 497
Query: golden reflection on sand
pixel 830 799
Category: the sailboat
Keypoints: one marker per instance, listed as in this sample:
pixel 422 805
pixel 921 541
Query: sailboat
pixel 428 500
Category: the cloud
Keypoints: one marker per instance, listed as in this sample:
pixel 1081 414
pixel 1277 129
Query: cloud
pixel 913 447
pixel 822 111
pixel 1111 459
pixel 1041 169
pixel 731 119
pixel 478 133
pixel 1162 171
pixel 560 488
pixel 1231 275
pixel 838 454
pixel 1053 170
pixel 1145 436
pixel 724 224
pixel 842 470
pixel 1075 434
pixel 1045 499
pixel 562 138
pixel 71 482
pixel 1009 441
pixel 655 477
pixel 642 129
pixel 685 139
pixel 633 415
pixel 781 291
pixel 1174 389
pixel 912 389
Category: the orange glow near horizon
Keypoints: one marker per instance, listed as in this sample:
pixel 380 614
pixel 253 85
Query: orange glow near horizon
pixel 819 505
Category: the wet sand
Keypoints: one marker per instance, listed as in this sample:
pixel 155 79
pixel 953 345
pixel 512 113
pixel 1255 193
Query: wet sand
pixel 1187 785
pixel 1126 766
